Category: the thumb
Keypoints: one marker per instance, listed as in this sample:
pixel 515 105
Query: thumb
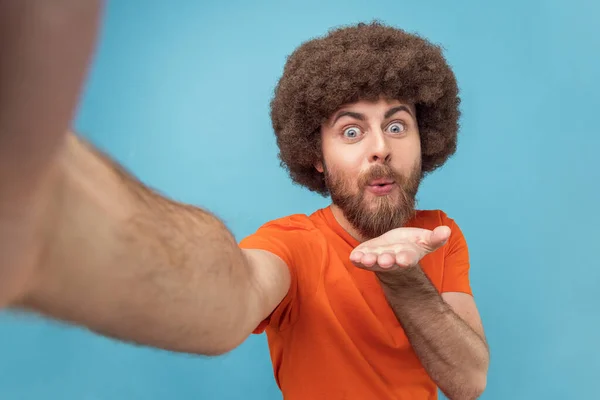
pixel 439 236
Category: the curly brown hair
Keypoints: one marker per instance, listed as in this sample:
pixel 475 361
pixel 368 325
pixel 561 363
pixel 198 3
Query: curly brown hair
pixel 362 62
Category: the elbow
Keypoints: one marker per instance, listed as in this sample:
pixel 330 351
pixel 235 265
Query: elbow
pixel 477 387
pixel 227 346
pixel 218 345
pixel 467 386
pixel 213 348
pixel 215 351
pixel 472 389
pixel 475 379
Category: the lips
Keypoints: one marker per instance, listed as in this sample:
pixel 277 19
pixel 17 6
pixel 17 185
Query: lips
pixel 381 182
pixel 381 187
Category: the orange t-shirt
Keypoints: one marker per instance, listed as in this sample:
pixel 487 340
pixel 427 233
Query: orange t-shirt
pixel 334 336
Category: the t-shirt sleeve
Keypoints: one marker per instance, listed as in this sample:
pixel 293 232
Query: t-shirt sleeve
pixel 456 261
pixel 292 240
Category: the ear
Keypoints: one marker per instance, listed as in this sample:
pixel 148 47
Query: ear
pixel 319 166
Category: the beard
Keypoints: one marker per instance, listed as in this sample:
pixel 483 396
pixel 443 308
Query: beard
pixel 376 215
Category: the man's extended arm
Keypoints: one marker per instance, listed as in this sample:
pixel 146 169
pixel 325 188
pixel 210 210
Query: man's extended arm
pixel 83 241
pixel 453 353
pixel 130 264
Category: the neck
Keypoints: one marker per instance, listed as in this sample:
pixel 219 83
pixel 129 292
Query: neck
pixel 344 223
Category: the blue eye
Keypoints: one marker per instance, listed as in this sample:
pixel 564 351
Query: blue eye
pixel 352 133
pixel 396 128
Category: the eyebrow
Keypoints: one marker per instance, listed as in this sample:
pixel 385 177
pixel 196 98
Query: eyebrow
pixel 354 115
pixel 361 117
pixel 395 110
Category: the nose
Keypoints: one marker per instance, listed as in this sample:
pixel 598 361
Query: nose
pixel 380 148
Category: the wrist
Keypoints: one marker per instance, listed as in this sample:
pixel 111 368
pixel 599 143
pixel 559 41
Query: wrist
pixel 411 281
pixel 400 277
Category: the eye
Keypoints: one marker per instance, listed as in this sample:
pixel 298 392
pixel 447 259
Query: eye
pixel 352 132
pixel 396 128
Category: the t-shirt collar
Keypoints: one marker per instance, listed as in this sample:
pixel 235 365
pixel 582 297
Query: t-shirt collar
pixel 337 228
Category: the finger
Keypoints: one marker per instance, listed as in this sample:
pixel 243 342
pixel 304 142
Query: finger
pixel 369 260
pixel 386 260
pixel 405 259
pixel 356 256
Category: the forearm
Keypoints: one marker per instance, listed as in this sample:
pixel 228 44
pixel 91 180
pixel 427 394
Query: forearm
pixel 453 354
pixel 130 264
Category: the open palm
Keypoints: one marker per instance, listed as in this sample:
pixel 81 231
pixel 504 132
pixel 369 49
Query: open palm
pixel 401 247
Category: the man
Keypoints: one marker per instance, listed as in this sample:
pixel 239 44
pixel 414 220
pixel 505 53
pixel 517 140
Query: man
pixel 367 298
pixel 379 303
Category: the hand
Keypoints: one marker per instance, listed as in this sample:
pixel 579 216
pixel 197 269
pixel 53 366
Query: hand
pixel 42 72
pixel 399 248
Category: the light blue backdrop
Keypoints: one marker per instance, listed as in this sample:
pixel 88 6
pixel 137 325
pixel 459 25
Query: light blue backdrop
pixel 179 94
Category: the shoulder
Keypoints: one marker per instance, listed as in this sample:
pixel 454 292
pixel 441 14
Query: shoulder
pixel 296 240
pixel 289 223
pixel 293 231
pixel 429 219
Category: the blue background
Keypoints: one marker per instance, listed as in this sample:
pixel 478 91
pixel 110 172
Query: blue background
pixel 179 94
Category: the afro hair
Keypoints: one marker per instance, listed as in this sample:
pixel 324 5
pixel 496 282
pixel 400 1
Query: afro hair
pixel 362 62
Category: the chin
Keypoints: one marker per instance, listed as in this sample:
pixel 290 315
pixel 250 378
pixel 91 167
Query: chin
pixel 375 202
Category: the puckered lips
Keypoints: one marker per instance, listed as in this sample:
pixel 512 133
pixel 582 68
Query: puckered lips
pixel 381 186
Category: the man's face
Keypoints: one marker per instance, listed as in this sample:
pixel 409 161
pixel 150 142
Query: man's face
pixel 372 164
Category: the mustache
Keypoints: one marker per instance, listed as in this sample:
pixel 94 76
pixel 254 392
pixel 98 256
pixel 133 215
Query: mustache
pixel 379 172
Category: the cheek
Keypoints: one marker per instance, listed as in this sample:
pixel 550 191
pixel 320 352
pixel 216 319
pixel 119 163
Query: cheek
pixel 346 162
pixel 407 155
